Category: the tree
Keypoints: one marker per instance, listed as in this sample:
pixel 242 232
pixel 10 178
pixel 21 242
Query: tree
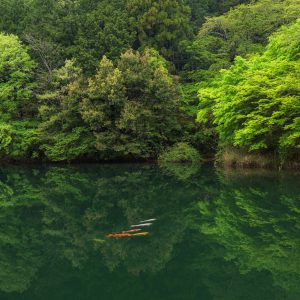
pixel 17 105
pixel 62 132
pixel 201 9
pixel 256 103
pixel 12 14
pixel 221 6
pixel 161 25
pixel 132 108
pixel 16 69
pixel 241 31
pixel 102 30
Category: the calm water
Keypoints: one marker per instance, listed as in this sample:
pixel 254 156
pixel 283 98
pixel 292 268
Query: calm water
pixel 218 235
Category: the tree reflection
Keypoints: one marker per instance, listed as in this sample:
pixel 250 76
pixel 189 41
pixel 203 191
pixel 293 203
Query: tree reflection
pixel 255 220
pixel 51 214
pixel 240 241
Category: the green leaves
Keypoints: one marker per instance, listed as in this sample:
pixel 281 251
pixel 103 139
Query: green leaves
pixel 5 138
pixel 62 133
pixel 180 152
pixel 103 30
pixel 15 77
pixel 256 103
pixel 131 108
pixel 127 110
pixel 160 24
pixel 243 30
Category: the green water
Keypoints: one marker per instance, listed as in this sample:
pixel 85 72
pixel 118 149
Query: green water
pixel 218 235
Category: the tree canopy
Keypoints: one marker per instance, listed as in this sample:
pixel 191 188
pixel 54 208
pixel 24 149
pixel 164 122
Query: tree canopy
pixel 255 104
pixel 119 79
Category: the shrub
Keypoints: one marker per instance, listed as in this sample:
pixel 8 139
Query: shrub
pixel 180 153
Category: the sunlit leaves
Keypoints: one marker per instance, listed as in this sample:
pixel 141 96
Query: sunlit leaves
pixel 256 103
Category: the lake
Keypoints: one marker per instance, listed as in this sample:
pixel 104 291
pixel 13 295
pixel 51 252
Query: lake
pixel 219 234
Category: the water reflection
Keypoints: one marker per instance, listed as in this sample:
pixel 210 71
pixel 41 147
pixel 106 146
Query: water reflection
pixel 219 235
pixel 255 220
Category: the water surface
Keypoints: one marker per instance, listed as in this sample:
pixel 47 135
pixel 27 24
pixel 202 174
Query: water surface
pixel 218 234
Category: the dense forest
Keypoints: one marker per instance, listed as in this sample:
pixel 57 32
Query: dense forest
pixel 174 80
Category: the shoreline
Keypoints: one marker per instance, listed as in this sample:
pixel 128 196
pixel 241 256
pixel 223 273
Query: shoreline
pixel 208 161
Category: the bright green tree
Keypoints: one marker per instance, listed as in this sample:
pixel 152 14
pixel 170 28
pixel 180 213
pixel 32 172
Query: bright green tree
pixel 16 68
pixel 243 30
pixel 256 104
pixel 17 104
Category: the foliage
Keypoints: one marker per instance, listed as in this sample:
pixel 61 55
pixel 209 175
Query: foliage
pixel 58 101
pixel 180 152
pixel 102 30
pixel 132 107
pixel 161 25
pixel 16 69
pixel 127 111
pixel 201 9
pixel 255 104
pixel 17 106
pixel 252 237
pixel 5 138
pixel 243 30
pixel 62 132
pixel 18 140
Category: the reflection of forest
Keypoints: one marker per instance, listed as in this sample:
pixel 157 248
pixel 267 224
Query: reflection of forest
pixel 53 214
pixel 242 245
pixel 255 221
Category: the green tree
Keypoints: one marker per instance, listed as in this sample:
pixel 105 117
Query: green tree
pixel 102 30
pixel 17 104
pixel 256 104
pixel 51 36
pixel 16 68
pixel 204 8
pixel 81 29
pixel 243 30
pixel 132 108
pixel 161 25
pixel 62 132
pixel 12 14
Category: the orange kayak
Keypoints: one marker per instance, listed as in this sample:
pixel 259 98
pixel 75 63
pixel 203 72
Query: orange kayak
pixel 117 235
pixel 132 230
pixel 121 235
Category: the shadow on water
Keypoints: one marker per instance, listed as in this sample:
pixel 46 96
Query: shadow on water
pixel 219 234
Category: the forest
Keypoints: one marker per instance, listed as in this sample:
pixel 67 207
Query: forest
pixel 136 80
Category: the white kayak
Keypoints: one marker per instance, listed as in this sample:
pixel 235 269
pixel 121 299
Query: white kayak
pixel 147 221
pixel 141 225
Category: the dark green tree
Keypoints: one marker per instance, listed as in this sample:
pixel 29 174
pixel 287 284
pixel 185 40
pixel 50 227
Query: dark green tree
pixel 161 25
pixel 102 30
pixel 62 132
pixel 132 108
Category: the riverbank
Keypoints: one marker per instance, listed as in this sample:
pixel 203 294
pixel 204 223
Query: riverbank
pixel 243 160
pixel 227 160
